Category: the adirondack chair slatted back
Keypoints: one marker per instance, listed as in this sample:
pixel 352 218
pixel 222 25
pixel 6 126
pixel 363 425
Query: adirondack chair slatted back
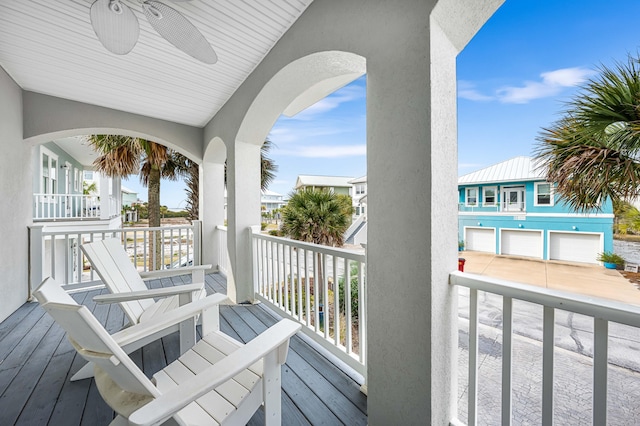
pixel 114 267
pixel 93 342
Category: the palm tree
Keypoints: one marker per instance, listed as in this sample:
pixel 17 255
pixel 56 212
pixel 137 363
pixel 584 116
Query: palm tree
pixel 191 172
pixel 593 151
pixel 317 216
pixel 122 156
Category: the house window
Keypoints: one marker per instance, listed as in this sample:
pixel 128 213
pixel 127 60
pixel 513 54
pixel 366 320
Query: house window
pixel 543 194
pixel 360 189
pixel 471 198
pixel 76 180
pixel 48 172
pixel 489 196
pixel 88 175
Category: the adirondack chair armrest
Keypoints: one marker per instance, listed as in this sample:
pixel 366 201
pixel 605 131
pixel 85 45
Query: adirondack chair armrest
pixel 184 270
pixel 148 294
pixel 275 338
pixel 134 333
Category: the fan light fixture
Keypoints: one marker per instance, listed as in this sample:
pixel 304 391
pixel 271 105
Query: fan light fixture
pixel 117 28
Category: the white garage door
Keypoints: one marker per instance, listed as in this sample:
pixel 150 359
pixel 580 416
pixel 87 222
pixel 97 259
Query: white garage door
pixel 521 243
pixel 574 246
pixel 480 239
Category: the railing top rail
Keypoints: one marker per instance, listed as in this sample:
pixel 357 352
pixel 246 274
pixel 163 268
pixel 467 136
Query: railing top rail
pixel 605 309
pixel 117 230
pixel 221 227
pixel 334 251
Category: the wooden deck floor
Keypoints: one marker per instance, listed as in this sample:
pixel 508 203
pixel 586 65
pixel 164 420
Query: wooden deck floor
pixel 36 362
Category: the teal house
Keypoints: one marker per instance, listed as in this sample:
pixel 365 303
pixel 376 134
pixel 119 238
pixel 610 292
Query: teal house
pixel 509 208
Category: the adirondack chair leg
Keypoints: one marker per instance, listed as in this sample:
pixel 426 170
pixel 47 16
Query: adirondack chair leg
pixel 210 320
pixel 187 327
pixel 119 421
pixel 271 390
pixel 84 373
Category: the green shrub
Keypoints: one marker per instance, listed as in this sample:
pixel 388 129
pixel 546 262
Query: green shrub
pixel 353 289
pixel 610 257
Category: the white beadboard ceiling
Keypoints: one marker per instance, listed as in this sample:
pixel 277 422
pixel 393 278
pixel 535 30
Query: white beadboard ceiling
pixel 49 47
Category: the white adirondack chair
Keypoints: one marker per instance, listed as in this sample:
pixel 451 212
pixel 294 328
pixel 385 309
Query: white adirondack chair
pixel 127 286
pixel 218 381
pixel 128 289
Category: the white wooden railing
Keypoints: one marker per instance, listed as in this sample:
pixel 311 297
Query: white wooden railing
pixel 73 207
pixel 58 254
pixel 602 311
pixel 315 285
pixel 223 253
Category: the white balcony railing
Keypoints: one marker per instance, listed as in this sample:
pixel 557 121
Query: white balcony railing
pixel 601 311
pixel 223 252
pixel 321 287
pixel 58 254
pixel 73 207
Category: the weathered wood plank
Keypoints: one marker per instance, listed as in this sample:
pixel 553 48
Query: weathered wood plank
pixel 38 367
pixel 341 381
pixel 26 379
pixel 311 406
pixel 40 404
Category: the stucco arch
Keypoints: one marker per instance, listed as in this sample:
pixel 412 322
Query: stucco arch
pixel 295 87
pixel 47 118
pixel 215 151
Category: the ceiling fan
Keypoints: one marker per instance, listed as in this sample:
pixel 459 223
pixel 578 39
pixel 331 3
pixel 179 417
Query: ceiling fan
pixel 117 28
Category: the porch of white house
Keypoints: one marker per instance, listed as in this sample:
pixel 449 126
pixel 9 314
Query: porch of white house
pixel 514 365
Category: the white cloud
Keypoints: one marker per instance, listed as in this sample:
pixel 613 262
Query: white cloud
pixel 552 83
pixel 283 135
pixel 346 94
pixel 326 151
pixel 467 90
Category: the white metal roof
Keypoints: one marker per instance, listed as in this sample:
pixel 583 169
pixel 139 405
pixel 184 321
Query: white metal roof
pixel 516 169
pixel 50 47
pixel 330 181
pixel 361 179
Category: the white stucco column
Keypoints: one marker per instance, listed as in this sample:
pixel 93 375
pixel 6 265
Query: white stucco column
pixel 104 196
pixel 211 209
pixel 243 204
pixel 116 193
pixel 411 173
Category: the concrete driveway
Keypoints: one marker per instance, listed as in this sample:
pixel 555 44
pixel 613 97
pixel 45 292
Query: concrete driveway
pixel 590 280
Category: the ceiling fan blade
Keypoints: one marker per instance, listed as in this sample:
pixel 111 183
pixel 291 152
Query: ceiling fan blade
pixel 116 25
pixel 179 31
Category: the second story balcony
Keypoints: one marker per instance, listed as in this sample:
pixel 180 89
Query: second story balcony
pixel 503 206
pixel 72 207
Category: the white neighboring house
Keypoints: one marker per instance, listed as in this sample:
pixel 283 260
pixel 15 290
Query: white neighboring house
pixel 270 201
pixel 59 204
pixel 357 232
pixel 337 184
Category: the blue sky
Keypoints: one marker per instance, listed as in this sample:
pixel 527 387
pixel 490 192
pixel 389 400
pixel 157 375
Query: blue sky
pixel 513 79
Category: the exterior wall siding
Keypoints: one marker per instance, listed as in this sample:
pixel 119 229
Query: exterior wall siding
pixel 558 217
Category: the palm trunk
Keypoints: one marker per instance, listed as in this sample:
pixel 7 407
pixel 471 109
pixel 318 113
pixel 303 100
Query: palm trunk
pixel 155 241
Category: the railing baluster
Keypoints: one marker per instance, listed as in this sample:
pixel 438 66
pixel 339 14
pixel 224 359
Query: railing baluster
pixel 348 315
pixel 473 358
pixel 292 299
pixel 600 366
pixel 307 287
pixel 507 351
pixel 278 273
pixel 286 306
pixel 299 285
pixel 362 313
pixel 325 296
pixel 548 346
pixel 316 313
pixel 336 303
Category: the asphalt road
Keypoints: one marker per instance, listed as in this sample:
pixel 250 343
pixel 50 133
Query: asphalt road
pixel 573 365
